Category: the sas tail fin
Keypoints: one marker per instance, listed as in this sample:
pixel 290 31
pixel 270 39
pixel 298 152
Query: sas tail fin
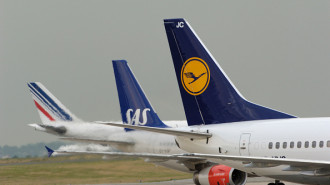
pixel 208 96
pixel 49 107
pixel 134 105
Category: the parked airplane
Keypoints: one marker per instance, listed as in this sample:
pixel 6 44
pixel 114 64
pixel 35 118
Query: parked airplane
pixel 135 109
pixel 132 99
pixel 157 147
pixel 58 120
pixel 226 128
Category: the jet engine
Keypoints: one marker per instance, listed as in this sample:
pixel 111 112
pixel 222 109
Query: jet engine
pixel 220 175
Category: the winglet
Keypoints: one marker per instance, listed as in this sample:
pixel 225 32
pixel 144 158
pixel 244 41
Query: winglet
pixel 49 151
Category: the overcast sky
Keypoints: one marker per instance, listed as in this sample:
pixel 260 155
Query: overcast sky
pixel 277 53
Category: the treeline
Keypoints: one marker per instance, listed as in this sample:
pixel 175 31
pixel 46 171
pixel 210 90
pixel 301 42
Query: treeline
pixel 29 150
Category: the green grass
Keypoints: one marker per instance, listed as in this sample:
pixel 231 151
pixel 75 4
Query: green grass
pixel 84 169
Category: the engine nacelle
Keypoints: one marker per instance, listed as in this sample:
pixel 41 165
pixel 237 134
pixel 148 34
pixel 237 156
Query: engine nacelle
pixel 220 175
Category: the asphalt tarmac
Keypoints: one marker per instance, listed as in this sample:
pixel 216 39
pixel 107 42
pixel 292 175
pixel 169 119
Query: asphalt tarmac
pixel 251 181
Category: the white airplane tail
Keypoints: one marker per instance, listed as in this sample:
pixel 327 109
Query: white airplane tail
pixel 49 107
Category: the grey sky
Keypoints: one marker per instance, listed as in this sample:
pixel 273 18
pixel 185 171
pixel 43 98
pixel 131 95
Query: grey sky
pixel 277 53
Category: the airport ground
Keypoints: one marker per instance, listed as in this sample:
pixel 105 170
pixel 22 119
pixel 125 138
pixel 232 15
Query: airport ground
pixel 251 181
pixel 83 169
pixel 91 169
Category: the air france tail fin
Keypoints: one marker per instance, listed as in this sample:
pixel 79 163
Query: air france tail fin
pixel 208 96
pixel 49 107
pixel 134 105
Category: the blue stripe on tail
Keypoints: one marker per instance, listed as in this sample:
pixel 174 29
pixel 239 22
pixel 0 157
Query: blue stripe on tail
pixel 208 95
pixel 134 105
pixel 49 102
pixel 43 101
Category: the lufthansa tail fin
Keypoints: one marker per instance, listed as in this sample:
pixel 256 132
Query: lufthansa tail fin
pixel 49 107
pixel 208 96
pixel 134 105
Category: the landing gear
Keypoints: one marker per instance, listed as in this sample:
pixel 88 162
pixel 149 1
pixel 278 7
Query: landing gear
pixel 277 182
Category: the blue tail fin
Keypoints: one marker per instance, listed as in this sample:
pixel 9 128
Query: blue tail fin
pixel 208 95
pixel 134 105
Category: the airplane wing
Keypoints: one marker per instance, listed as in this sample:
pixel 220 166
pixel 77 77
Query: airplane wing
pixel 127 154
pixel 108 142
pixel 184 159
pixel 170 131
pixel 307 167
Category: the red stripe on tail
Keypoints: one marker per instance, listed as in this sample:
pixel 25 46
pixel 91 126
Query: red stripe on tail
pixel 44 111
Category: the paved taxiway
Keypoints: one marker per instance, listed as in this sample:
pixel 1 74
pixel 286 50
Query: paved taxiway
pixel 251 181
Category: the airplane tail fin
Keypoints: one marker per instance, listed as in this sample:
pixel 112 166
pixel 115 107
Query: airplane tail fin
pixel 134 105
pixel 49 107
pixel 208 95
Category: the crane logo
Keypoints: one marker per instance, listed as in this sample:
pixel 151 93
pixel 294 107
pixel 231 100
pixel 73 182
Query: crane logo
pixel 195 76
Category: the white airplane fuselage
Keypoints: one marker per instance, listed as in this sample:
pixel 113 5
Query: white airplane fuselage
pixel 144 142
pixel 253 138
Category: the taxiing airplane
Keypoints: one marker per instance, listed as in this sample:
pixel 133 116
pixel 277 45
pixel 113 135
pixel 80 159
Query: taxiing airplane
pixel 226 128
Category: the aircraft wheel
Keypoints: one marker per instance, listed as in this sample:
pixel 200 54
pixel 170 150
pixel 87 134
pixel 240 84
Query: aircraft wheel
pixel 277 182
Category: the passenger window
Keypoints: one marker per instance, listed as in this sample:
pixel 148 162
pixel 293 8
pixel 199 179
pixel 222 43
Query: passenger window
pixel 270 145
pixel 299 144
pixel 328 144
pixel 321 144
pixel 285 144
pixel 291 144
pixel 277 145
pixel 314 144
pixel 306 144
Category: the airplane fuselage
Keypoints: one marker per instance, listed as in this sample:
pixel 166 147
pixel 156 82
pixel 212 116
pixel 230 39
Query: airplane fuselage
pixel 144 142
pixel 296 138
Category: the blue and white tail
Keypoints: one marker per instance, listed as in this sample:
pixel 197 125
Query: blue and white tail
pixel 49 107
pixel 134 105
pixel 208 96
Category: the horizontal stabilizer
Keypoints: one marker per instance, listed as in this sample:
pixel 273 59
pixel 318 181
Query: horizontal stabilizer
pixel 169 131
pixel 58 130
